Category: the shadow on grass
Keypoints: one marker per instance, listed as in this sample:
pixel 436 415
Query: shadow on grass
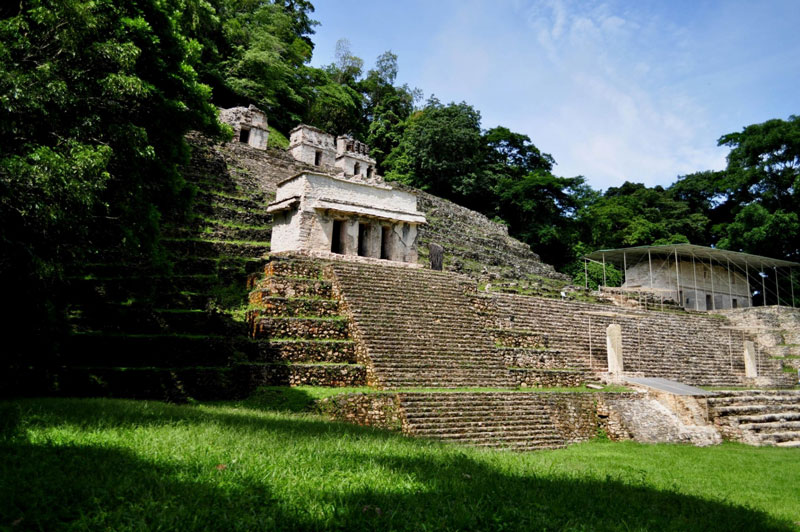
pixel 52 487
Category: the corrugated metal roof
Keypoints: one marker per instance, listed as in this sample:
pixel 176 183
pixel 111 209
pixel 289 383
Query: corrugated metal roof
pixel 615 256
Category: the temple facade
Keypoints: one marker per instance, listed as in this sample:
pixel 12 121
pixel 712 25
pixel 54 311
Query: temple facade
pixel 326 215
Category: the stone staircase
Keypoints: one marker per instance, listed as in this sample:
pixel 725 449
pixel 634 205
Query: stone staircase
pixel 515 421
pixel 303 338
pixel 177 331
pixel 418 327
pixel 758 417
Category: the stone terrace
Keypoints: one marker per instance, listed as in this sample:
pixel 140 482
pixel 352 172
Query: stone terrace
pixel 518 421
pixel 693 349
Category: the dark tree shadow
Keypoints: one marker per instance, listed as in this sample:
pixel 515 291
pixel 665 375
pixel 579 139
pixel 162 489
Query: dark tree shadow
pixel 56 487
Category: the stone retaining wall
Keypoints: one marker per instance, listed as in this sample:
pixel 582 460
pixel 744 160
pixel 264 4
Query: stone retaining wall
pixel 380 410
pixel 537 378
pixel 698 350
pixel 335 375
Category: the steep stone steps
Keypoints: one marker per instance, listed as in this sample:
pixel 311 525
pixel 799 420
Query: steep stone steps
pixel 320 328
pixel 201 247
pixel 310 374
pixel 155 350
pixel 305 350
pixel 692 349
pixel 418 326
pixel 758 417
pixel 290 287
pixel 208 230
pixel 773 426
pixel 523 357
pixel 146 320
pixel 411 377
pixel 516 421
pixel 251 203
pixel 302 338
pixel 234 215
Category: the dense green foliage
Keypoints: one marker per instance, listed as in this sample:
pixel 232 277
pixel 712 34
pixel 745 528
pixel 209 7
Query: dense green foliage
pixel 753 204
pixel 96 99
pixel 125 465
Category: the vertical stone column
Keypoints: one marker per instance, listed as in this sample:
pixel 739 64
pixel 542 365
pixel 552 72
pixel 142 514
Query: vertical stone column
pixel 396 248
pixel 410 241
pixel 374 240
pixel 350 237
pixel 750 362
pixel 614 348
pixel 436 255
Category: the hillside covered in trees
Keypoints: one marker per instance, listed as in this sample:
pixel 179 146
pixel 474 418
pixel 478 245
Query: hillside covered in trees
pixel 97 97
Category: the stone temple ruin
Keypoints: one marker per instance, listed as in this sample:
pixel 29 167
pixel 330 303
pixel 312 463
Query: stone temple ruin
pixel 249 125
pixel 344 207
pixel 342 293
pixel 326 215
pixel 347 157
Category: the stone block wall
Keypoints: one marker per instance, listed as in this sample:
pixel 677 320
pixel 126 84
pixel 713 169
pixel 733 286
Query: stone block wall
pixel 699 350
pixel 517 421
pixel 303 337
pixel 380 410
pixel 538 378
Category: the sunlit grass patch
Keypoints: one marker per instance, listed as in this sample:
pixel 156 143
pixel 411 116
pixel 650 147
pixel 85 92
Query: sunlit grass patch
pixel 97 464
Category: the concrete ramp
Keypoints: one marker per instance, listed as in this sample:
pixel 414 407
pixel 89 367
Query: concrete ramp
pixel 666 385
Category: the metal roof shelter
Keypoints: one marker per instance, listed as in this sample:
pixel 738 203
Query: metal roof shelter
pixel 741 266
pixel 617 256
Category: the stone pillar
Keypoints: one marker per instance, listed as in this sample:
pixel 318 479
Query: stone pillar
pixel 374 240
pixel 396 248
pixel 436 256
pixel 750 362
pixel 614 348
pixel 410 239
pixel 350 237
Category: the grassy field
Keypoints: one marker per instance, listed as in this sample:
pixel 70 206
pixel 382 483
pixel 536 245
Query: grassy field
pixel 99 464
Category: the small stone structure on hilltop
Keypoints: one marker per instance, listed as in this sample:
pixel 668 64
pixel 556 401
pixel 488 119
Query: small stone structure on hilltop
pixel 249 125
pixel 346 157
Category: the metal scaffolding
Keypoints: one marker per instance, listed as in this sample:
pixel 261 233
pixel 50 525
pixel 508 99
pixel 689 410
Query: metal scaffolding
pixel 718 267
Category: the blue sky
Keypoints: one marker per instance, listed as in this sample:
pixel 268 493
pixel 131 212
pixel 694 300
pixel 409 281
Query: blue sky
pixel 615 91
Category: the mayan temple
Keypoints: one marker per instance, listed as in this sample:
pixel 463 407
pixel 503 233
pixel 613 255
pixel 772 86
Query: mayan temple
pixel 344 279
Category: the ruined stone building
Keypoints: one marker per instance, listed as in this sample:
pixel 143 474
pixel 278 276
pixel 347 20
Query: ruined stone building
pixel 343 209
pixel 346 156
pixel 249 125
pixel 328 215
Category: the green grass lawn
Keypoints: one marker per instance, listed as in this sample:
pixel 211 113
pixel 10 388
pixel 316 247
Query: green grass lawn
pixel 99 464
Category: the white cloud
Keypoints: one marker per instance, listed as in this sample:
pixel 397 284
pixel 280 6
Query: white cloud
pixel 610 119
pixel 614 91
